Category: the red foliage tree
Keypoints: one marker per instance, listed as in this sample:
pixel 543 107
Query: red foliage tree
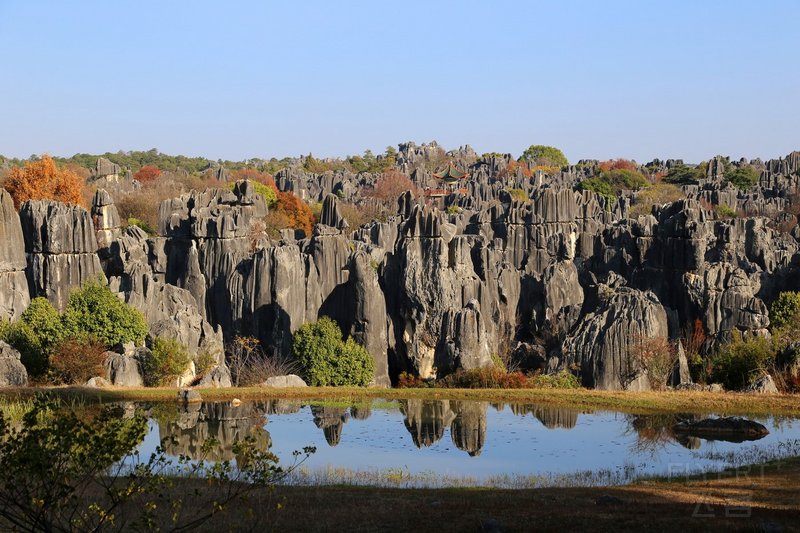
pixel 42 180
pixel 254 175
pixel 147 173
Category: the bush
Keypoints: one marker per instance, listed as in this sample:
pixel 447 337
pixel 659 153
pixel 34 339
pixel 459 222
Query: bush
pixel 601 187
pixel 518 194
pixel 167 360
pixel 784 310
pixel 75 361
pixel 95 311
pixel 737 363
pixel 726 211
pixel 562 380
pixel 326 360
pixel 742 177
pixel 268 191
pixel 38 331
pixel 484 378
pixel 655 195
pixel 144 226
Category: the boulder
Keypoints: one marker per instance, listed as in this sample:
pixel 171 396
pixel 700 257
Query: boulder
pixel 189 396
pixel 763 385
pixel 219 377
pixel 123 370
pixel 12 371
pixel 97 382
pixel 733 429
pixel 602 343
pixel 281 382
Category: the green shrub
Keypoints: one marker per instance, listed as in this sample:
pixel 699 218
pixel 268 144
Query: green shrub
pixel 562 380
pixel 518 194
pixel 37 332
pixel 739 362
pixel 544 155
pixel 601 187
pixel 267 192
pixel 684 175
pixel 326 360
pixel 144 226
pixel 784 309
pixel 726 211
pixel 25 340
pixel 97 312
pixel 742 177
pixel 167 360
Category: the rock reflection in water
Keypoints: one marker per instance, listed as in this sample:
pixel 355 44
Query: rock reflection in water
pixel 550 417
pixel 468 429
pixel 426 421
pixel 196 423
pixel 331 420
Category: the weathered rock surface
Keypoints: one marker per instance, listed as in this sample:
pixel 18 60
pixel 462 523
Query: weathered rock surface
pixel 61 249
pixel 290 380
pixel 603 342
pixel 14 295
pixel 123 370
pixel 732 429
pixel 763 385
pixel 12 371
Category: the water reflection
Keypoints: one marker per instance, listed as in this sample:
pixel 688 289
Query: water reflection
pixel 184 431
pixel 187 427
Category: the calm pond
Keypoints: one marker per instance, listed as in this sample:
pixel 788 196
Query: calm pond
pixel 461 443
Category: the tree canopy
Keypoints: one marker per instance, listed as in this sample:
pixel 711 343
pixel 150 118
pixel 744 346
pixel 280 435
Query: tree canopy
pixel 541 155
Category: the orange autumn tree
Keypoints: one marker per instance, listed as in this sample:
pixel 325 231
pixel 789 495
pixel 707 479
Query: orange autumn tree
pixel 298 213
pixel 43 180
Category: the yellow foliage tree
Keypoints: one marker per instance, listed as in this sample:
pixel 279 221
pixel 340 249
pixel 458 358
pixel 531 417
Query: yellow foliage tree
pixel 43 180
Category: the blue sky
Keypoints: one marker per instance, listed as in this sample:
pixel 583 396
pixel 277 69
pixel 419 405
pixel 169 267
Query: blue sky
pixel 244 79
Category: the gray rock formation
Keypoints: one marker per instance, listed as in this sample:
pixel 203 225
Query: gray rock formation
pixel 123 370
pixel 763 385
pixel 14 295
pixel 12 371
pixel 603 343
pixel 61 249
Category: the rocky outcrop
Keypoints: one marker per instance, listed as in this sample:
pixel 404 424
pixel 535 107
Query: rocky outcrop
pixel 12 371
pixel 61 249
pixel 14 295
pixel 124 370
pixel 603 344
pixel 733 429
pixel 105 217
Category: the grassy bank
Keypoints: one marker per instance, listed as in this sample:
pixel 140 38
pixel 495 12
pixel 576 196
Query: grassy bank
pixel 581 399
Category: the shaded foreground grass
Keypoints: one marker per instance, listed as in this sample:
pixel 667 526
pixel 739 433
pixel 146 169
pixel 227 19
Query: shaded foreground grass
pixel 749 499
pixel 724 403
pixel 761 498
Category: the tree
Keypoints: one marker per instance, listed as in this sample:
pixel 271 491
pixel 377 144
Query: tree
pixel 544 156
pixel 42 180
pixel 147 173
pixel 64 472
pixel 684 175
pixel 327 360
pixel 784 310
pixel 298 213
pixel 390 186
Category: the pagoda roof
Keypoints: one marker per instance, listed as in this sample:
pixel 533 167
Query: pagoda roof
pixel 450 173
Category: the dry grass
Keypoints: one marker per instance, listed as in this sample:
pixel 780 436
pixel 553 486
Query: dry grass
pixel 723 403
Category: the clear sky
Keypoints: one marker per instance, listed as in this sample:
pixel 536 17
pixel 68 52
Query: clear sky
pixel 236 79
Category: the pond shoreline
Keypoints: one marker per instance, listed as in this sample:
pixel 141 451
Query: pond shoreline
pixel 728 403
